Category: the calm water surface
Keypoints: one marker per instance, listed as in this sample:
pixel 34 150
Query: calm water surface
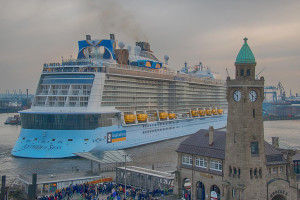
pixel 146 155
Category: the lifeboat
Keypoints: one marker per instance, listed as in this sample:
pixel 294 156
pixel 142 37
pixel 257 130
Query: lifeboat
pixel 172 115
pixel 163 115
pixel 142 117
pixel 129 118
pixel 214 111
pixel 208 112
pixel 220 111
pixel 194 113
pixel 202 113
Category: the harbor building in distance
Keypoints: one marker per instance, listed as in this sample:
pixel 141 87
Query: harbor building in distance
pixel 236 164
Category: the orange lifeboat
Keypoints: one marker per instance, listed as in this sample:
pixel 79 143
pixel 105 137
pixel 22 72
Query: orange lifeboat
pixel 142 117
pixel 214 111
pixel 194 113
pixel 163 115
pixel 208 112
pixel 202 113
pixel 172 115
pixel 129 118
pixel 220 111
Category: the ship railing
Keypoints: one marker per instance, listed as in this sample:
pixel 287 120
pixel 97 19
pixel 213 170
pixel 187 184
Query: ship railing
pixel 163 70
pixel 89 66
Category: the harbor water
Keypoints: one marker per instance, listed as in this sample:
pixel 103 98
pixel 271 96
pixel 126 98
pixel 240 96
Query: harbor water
pixel 161 154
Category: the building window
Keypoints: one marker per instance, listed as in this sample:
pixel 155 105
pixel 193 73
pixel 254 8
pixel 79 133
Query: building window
pixel 201 162
pixel 215 165
pixel 254 148
pixel 242 72
pixel 274 170
pixel 248 72
pixel 260 172
pixel 187 160
pixel 281 169
pixel 255 172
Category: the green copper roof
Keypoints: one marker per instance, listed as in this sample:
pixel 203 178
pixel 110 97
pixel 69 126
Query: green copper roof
pixel 245 55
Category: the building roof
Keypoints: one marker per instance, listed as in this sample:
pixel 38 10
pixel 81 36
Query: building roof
pixel 198 144
pixel 245 55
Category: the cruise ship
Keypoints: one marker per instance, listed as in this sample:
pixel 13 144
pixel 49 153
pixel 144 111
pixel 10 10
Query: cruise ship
pixel 111 97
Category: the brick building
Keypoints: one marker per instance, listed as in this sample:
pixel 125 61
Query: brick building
pixel 236 164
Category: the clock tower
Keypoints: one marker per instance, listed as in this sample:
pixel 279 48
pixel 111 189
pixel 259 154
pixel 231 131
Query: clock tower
pixel 245 161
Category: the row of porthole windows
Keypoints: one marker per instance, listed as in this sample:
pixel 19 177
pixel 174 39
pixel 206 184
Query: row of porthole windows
pixel 161 129
pixel 70 140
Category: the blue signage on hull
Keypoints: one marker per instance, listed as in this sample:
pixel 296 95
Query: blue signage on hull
pixel 116 136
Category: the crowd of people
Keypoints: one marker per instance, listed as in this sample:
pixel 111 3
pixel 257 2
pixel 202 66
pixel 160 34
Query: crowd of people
pixel 105 191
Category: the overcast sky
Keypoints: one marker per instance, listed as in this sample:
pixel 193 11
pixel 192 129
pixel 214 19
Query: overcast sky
pixel 34 32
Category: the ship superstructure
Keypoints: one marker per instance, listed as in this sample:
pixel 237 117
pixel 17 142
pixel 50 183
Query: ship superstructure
pixel 113 98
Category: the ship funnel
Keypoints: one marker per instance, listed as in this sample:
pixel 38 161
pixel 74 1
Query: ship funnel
pixel 145 46
pixel 88 37
pixel 112 36
pixel 122 56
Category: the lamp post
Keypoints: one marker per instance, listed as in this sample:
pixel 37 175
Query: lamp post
pixel 125 156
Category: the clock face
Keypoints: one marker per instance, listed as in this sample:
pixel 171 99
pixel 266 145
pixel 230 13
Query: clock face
pixel 252 96
pixel 237 95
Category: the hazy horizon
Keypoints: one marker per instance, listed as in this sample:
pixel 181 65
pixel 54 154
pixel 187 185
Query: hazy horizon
pixel 35 32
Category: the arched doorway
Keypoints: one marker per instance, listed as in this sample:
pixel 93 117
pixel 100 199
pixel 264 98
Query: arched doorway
pixel 214 192
pixel 200 191
pixel 279 197
pixel 187 189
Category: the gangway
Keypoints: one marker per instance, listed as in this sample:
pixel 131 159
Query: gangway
pixel 143 178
